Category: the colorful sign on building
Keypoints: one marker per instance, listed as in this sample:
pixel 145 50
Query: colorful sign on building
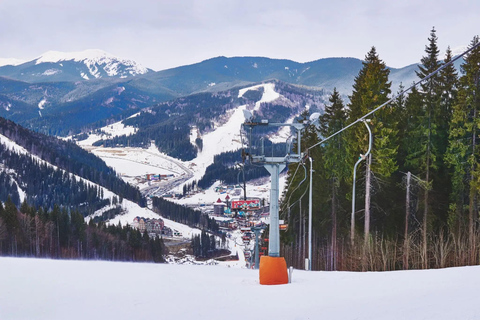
pixel 251 204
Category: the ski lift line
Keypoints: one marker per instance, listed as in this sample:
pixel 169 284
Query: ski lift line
pixel 301 182
pixel 398 95
pixel 291 181
pixel 301 197
pixel 414 176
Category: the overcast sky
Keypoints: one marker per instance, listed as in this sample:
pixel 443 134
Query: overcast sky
pixel 161 34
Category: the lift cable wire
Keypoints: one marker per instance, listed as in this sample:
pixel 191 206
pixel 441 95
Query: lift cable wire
pixel 398 94
pixel 287 204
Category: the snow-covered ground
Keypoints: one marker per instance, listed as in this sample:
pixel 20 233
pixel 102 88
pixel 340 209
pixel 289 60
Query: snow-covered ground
pixel 269 93
pixel 225 138
pixel 209 196
pixel 283 133
pixel 138 161
pixel 53 289
pixel 110 131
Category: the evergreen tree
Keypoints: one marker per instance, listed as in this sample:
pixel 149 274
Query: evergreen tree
pixel 449 92
pixel 371 89
pixel 425 144
pixel 3 228
pixel 402 120
pixel 463 154
pixel 336 164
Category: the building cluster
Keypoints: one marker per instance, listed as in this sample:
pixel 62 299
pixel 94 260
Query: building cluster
pixel 150 225
pixel 157 177
pixel 248 207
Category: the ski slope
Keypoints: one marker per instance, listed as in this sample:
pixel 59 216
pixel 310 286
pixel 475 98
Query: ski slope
pixel 226 137
pixel 54 289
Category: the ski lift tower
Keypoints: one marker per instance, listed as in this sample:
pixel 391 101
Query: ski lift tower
pixel 273 269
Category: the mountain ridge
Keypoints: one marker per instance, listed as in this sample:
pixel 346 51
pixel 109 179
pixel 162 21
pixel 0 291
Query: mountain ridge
pixel 73 66
pixel 45 94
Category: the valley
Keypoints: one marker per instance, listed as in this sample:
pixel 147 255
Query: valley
pixel 230 160
pixel 159 175
pixel 172 136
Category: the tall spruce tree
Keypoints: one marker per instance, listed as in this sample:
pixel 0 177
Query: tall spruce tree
pixel 371 89
pixel 335 164
pixel 424 149
pixel 402 120
pixel 463 154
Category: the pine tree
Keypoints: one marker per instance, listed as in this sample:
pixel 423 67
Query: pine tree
pixel 336 165
pixel 402 120
pixel 423 151
pixel 463 154
pixel 449 92
pixel 371 89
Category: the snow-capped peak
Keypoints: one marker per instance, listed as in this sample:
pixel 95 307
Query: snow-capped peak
pixel 458 50
pixel 91 54
pixel 96 59
pixel 10 62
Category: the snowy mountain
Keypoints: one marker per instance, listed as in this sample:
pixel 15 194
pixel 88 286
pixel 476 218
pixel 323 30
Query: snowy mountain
pixel 10 62
pixel 50 94
pixel 49 173
pixel 73 66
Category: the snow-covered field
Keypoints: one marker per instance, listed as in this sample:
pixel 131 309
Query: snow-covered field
pixel 52 289
pixel 138 161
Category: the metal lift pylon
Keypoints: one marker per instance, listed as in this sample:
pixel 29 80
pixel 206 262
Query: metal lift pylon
pixel 273 268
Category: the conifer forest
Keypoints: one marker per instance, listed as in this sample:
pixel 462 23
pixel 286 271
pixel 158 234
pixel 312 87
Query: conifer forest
pixel 59 234
pixel 417 191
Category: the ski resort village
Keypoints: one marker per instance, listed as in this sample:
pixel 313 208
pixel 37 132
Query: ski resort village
pixel 239 187
pixel 238 208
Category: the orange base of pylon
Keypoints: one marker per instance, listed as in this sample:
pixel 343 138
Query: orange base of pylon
pixel 273 270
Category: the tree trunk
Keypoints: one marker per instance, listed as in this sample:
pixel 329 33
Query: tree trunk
pixel 425 209
pixel 424 230
pixel 367 199
pixel 334 228
pixel 406 245
pixel 472 202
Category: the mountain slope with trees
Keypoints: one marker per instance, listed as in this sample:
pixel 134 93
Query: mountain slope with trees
pixel 29 232
pixel 44 171
pixel 55 103
pixel 169 124
pixel 417 193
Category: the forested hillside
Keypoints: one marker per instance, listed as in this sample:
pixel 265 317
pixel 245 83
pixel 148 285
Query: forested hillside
pixel 50 182
pixel 169 124
pixel 56 233
pixel 188 216
pixel 417 192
